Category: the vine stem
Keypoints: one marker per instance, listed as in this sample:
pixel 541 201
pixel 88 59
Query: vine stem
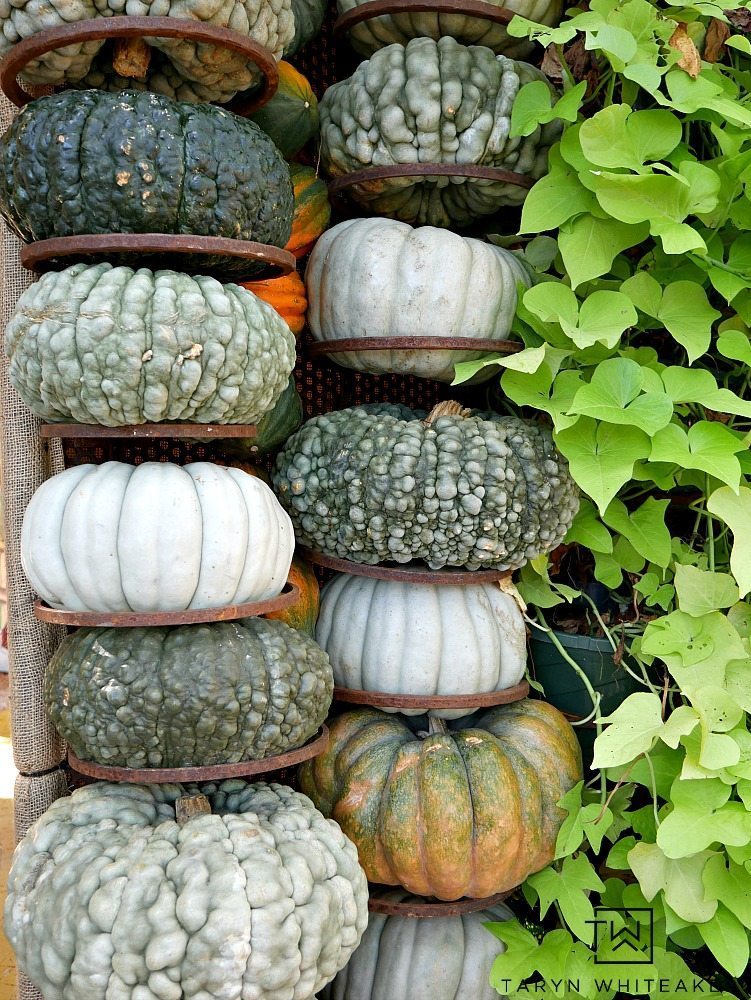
pixel 593 695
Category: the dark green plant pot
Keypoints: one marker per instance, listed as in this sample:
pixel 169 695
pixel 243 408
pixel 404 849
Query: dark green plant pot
pixel 565 689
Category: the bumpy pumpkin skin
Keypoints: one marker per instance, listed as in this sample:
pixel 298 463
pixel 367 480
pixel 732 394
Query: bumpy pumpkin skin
pixel 421 639
pixel 400 958
pixel 113 346
pixel 109 897
pixel 286 295
pixel 272 430
pixel 290 118
pixel 376 483
pixel 303 615
pixel 404 282
pixel 154 537
pixel 178 67
pixel 369 120
pixel 312 209
pixel 388 790
pixel 187 696
pixel 141 163
pixel 371 35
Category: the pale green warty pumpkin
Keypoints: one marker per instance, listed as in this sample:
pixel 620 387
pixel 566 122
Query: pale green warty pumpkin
pixel 110 345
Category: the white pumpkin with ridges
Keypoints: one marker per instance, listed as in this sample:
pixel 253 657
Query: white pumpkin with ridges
pixel 383 278
pixel 421 638
pixel 155 537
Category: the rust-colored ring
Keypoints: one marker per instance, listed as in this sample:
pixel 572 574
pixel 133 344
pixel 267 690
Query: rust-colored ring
pixel 356 344
pixel 96 28
pixel 451 908
pixel 208 431
pixel 209 772
pixel 377 8
pixel 53 254
pixel 381 699
pixel 381 571
pixel 471 170
pixel 136 619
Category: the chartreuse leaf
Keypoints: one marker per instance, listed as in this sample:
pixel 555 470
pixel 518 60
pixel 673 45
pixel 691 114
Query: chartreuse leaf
pixel 528 361
pixel 603 316
pixel 686 385
pixel 702 816
pixel 699 591
pixel 601 456
pixel 696 650
pixel 735 344
pixel 590 819
pixel 680 879
pixel 522 27
pixel 555 198
pixel 682 307
pixel 619 137
pixel 727 939
pixel 681 721
pixel 568 888
pixel 631 730
pixel 645 528
pixel 533 106
pixel 518 960
pixel 708 446
pixel 735 510
pixel 729 885
pixel 588 530
pixel 589 245
pixel 615 395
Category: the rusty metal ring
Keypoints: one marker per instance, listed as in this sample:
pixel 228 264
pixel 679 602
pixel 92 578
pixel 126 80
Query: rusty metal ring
pixel 136 619
pixel 381 699
pixel 470 170
pixel 98 28
pixel 356 344
pixel 405 573
pixel 208 772
pixel 420 910
pixel 378 8
pixel 207 431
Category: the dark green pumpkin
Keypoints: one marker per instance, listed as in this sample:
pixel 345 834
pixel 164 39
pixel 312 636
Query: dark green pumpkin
pixel 290 118
pixel 308 20
pixel 187 695
pixel 469 812
pixel 92 162
pixel 273 428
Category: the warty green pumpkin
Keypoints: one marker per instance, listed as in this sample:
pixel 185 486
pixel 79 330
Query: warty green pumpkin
pixel 113 346
pixel 432 102
pixel 405 282
pixel 154 537
pixel 83 162
pixel 373 34
pixel 177 67
pixel 468 812
pixel 112 894
pixel 379 483
pixel 401 958
pixel 421 638
pixel 187 696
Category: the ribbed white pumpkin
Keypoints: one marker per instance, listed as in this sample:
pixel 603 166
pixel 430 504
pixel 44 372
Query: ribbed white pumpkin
pixel 401 958
pixel 155 537
pixel 421 638
pixel 383 278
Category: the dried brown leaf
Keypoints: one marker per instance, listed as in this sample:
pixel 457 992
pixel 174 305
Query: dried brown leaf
pixel 682 42
pixel 714 44
pixel 551 64
pixel 740 19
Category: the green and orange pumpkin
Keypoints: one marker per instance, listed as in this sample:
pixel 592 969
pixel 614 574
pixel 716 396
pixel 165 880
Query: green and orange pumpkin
pixel 468 812
pixel 303 614
pixel 312 211
pixel 286 295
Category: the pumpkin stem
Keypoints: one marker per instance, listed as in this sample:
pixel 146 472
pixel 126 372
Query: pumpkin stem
pixel 131 57
pixel 188 807
pixel 448 408
pixel 437 726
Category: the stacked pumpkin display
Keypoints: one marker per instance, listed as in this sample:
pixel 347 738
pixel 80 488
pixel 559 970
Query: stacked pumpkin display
pixel 144 889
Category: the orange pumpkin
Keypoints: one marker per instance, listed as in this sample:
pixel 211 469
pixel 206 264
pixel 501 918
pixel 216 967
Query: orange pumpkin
pixel 303 615
pixel 312 209
pixel 286 295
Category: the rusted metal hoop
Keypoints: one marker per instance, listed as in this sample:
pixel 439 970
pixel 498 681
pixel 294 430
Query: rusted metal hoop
pixel 97 28
pixel 53 254
pixel 209 772
pixel 470 170
pixel 380 699
pixel 208 431
pixel 357 344
pixel 423 911
pixel 136 619
pixel 406 574
pixel 377 8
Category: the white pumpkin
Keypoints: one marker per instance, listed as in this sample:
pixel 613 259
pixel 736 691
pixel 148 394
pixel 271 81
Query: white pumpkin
pixel 383 278
pixel 405 958
pixel 155 537
pixel 421 638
